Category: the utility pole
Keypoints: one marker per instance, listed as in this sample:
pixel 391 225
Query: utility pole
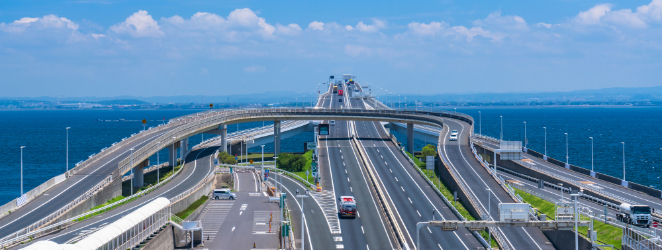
pixel 67 166
pixel 22 147
pixel 623 160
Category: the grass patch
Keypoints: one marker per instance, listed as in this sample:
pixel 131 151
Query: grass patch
pixel 111 201
pixel 307 166
pixel 258 156
pixel 149 179
pixel 607 234
pixel 419 163
pixel 189 210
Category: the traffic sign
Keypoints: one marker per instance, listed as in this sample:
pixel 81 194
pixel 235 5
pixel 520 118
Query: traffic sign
pixel 236 158
pixel 251 161
pixel 144 121
pixel 654 223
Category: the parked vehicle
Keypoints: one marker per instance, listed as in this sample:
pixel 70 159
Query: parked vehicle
pixel 332 122
pixel 638 215
pixel 224 193
pixel 347 206
pixel 453 137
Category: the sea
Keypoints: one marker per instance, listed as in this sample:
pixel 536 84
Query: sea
pixel 44 136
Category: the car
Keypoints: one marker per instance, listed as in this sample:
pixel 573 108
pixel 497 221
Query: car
pixel 339 100
pixel 224 193
pixel 332 122
pixel 453 137
pixel 453 132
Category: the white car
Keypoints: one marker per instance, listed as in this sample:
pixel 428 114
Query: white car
pixel 453 137
pixel 332 122
pixel 224 193
pixel 453 132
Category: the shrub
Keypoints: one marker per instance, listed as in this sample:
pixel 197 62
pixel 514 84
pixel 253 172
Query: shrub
pixel 226 158
pixel 291 162
pixel 429 150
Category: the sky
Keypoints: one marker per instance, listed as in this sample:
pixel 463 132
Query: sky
pixel 111 48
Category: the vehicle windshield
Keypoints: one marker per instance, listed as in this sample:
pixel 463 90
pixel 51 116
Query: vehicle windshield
pixel 641 210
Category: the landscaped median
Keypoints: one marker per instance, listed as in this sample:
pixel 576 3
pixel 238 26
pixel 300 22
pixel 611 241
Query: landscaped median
pixel 607 234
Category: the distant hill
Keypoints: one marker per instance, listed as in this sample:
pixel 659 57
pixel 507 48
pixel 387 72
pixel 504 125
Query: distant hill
pixel 122 102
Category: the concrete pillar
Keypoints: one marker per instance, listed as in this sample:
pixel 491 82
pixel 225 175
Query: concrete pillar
pixel 138 177
pixel 276 138
pixel 410 138
pixel 224 137
pixel 172 152
pixel 183 148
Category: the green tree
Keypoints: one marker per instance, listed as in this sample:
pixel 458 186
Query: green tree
pixel 291 162
pixel 226 158
pixel 429 150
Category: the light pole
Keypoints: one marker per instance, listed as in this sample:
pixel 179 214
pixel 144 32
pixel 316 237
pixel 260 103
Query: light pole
pixel 591 153
pixel 576 221
pixel 158 168
pixel 525 141
pixel 303 232
pixel 545 140
pixel 262 156
pixel 489 214
pixel 623 160
pixel 501 137
pixel 566 149
pixel 131 172
pixel 67 164
pixel 276 168
pixel 22 147
pixel 399 102
pixel 561 185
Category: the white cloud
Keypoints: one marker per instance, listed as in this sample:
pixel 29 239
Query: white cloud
pixel 291 29
pixel 593 15
pixel 431 29
pixel 315 25
pixel 97 36
pixel 356 50
pixel 247 18
pixel 47 22
pixel 652 11
pixel 476 31
pixel 140 24
pixel 349 27
pixel 495 21
pixel 375 26
pixel 602 14
pixel 252 69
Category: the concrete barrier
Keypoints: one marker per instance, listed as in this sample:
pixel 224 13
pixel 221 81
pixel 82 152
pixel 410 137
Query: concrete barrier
pixel 164 240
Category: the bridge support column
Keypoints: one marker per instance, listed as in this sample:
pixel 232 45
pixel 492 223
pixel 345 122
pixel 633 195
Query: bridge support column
pixel 183 148
pixel 276 138
pixel 224 137
pixel 410 138
pixel 172 152
pixel 138 176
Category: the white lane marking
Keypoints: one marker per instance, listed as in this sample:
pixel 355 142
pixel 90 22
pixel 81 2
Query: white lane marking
pixel 419 214
pixel 382 156
pixel 350 189
pixel 255 180
pixel 347 179
pixel 419 187
pixel 410 200
pixel 337 238
pixel 240 212
pixel 358 214
pixel 362 230
pixel 341 157
pixel 429 229
pixel 390 170
pixel 343 163
pixel 345 171
pixel 440 247
pixel 233 229
pixel 396 179
pixel 403 189
pixel 305 220
pixel 340 246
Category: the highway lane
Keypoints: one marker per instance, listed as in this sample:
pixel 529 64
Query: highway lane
pixel 459 154
pixel 197 166
pixel 367 230
pixel 70 189
pixel 638 197
pixel 414 199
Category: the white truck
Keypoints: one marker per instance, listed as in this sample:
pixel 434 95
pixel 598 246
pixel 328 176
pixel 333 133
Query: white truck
pixel 638 215
pixel 347 206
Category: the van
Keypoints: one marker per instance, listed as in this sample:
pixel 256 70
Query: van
pixel 224 193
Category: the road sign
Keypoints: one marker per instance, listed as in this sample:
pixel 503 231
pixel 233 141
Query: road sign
pixel 311 145
pixel 654 223
pixel 314 169
pixel 251 161
pixel 144 121
pixel 236 158
pixel 211 105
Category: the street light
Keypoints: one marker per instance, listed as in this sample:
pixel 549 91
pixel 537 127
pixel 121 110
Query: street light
pixel 276 168
pixel 480 123
pixel 262 156
pixel 303 232
pixel 67 166
pixel 591 153
pixel 561 185
pixel 545 141
pixel 566 149
pixel 525 141
pixel 22 147
pixel 158 168
pixel 489 213
pixel 623 160
pixel 131 172
pixel 576 196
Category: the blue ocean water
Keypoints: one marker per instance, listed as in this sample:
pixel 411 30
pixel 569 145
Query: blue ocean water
pixel 44 135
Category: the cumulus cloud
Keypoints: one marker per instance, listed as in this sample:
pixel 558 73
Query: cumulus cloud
pixel 602 14
pixel 349 27
pixel 375 26
pixel 476 31
pixel 431 29
pixel 291 29
pixel 495 21
pixel 47 22
pixel 247 18
pixel 651 12
pixel 140 24
pixel 315 25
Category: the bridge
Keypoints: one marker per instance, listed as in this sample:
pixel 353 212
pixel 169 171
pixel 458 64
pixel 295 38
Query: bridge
pixel 357 158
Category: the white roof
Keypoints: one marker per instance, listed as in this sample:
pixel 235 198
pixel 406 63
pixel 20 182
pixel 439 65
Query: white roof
pixel 109 232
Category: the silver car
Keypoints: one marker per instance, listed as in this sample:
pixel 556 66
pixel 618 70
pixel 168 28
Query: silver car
pixel 453 137
pixel 224 193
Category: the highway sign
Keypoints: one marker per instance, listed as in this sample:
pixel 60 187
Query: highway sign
pixel 314 169
pixel 311 145
pixel 144 121
pixel 211 105
pixel 324 129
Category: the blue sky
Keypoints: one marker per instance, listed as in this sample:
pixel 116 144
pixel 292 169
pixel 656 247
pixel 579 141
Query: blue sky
pixel 162 48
